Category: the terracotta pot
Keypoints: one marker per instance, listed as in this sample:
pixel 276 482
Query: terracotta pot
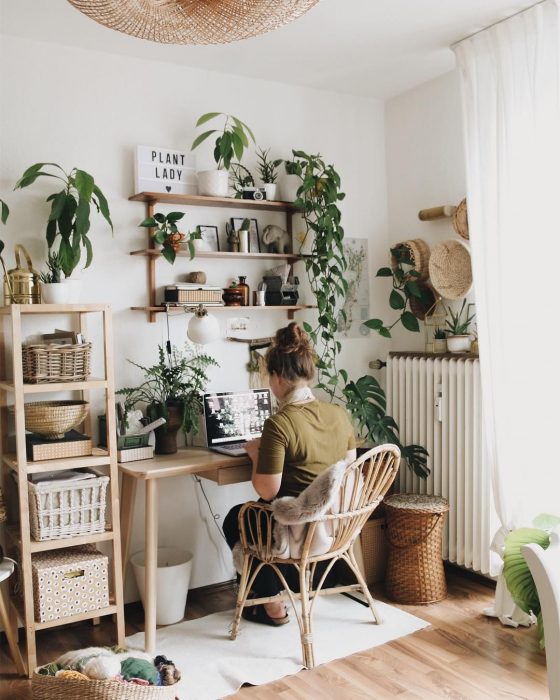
pixel 166 435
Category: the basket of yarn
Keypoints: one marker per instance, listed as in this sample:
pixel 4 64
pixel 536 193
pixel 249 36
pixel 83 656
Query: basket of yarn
pixel 100 673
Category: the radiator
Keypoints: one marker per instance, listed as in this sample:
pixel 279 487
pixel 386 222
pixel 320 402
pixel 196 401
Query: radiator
pixel 437 404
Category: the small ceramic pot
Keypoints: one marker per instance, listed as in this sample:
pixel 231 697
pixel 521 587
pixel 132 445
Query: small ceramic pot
pixel 55 293
pixel 213 183
pixel 458 343
pixel 270 191
pixel 289 185
pixel 233 296
pixel 75 286
pixel 439 345
pixel 243 241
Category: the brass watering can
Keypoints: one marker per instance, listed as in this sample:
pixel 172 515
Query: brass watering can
pixel 22 286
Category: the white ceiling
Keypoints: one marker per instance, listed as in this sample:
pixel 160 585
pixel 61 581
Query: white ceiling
pixel 375 48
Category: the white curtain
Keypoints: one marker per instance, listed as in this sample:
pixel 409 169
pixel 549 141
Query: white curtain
pixel 510 75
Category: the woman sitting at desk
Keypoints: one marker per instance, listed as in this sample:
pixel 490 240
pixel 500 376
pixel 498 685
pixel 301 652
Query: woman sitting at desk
pixel 304 438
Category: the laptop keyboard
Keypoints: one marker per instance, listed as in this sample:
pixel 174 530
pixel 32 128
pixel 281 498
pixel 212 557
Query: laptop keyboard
pixel 234 448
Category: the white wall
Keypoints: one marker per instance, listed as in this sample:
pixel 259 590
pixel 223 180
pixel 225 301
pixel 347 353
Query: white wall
pixel 88 109
pixel 425 168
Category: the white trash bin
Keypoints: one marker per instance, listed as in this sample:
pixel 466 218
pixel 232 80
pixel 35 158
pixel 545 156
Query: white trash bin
pixel 172 584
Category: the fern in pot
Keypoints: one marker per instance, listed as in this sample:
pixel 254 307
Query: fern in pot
pixel 53 289
pixel 458 324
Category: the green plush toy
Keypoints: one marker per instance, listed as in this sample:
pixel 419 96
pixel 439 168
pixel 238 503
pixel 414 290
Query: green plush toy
pixel 139 668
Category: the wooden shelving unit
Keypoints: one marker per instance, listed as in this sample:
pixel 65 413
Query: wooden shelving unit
pixel 18 535
pixel 188 200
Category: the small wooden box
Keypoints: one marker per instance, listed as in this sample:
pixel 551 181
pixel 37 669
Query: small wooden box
pixel 68 582
pixel 74 444
pixel 135 453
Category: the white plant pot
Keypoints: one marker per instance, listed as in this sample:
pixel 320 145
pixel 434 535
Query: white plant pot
pixel 243 241
pixel 200 245
pixel 55 293
pixel 75 289
pixel 439 345
pixel 458 343
pixel 289 185
pixel 213 183
pixel 270 191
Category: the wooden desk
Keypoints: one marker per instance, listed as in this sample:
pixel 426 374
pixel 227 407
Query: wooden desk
pixel 192 461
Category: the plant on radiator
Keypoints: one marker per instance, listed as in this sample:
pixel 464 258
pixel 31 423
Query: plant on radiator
pixel 317 199
pixel 172 390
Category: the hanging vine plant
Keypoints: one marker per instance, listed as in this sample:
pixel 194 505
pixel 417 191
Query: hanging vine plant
pixel 317 199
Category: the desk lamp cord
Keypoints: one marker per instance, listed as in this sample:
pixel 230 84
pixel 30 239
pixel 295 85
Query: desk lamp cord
pixel 215 516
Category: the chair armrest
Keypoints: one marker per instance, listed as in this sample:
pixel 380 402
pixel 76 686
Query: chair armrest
pixel 255 528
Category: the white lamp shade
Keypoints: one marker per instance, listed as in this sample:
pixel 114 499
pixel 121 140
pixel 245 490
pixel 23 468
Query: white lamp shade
pixel 203 329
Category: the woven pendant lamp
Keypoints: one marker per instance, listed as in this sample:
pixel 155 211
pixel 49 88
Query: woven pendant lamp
pixel 193 21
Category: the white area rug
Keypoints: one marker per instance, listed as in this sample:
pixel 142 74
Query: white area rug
pixel 214 666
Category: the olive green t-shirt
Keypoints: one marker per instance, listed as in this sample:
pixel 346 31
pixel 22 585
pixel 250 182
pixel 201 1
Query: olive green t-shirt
pixel 300 441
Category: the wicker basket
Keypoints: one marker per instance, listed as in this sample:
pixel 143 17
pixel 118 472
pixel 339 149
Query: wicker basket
pixel 418 252
pixel 450 269
pixel 51 688
pixel 67 508
pixel 374 550
pixel 53 419
pixel 56 363
pixel 415 572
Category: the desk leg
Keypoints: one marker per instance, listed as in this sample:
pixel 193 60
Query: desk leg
pixel 151 565
pixel 128 494
pixel 11 631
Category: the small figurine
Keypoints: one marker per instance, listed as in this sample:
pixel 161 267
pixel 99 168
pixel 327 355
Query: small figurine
pixel 232 238
pixel 277 240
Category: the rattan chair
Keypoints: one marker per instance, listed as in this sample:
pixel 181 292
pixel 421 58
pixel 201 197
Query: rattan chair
pixel 363 486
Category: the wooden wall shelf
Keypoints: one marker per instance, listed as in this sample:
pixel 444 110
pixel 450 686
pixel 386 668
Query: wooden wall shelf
pixel 194 200
pixel 156 252
pixel 238 309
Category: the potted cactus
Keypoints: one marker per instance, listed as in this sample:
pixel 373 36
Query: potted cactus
pixel 53 289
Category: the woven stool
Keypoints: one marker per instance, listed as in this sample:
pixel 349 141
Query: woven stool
pixel 415 567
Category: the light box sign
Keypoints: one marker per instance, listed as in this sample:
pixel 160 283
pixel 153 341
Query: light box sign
pixel 164 170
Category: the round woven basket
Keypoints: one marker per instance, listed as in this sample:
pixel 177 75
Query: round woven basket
pixel 415 572
pixel 421 308
pixel 418 253
pixel 451 270
pixel 461 220
pixel 52 688
pixel 52 419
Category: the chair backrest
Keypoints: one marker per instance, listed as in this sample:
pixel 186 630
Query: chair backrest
pixel 544 565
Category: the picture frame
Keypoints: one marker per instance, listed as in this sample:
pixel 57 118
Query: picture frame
pixel 254 239
pixel 209 241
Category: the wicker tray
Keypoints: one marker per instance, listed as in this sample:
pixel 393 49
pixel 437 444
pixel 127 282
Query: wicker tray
pixel 56 363
pixel 67 508
pixel 51 688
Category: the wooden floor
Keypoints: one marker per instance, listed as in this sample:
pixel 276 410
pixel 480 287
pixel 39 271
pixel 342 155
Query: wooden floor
pixel 463 655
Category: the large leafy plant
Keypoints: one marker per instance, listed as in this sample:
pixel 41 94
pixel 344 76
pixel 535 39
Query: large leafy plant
pixel 232 141
pixel 516 571
pixel 317 199
pixel 177 378
pixel 69 217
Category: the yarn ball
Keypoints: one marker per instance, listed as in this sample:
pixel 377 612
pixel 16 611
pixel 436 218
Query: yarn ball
pixel 168 673
pixel 49 670
pixel 100 668
pixel 139 668
pixel 71 675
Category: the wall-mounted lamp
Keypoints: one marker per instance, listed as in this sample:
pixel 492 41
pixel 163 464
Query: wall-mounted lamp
pixel 202 328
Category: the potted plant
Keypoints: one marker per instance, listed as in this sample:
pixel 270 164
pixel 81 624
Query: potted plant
pixel 233 139
pixel 172 390
pixel 53 289
pixel 168 236
pixel 268 172
pixel 4 213
pixel 458 337
pixel 440 340
pixel 70 212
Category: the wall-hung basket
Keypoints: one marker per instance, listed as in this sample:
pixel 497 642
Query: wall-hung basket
pixel 420 307
pixel 461 220
pixel 450 269
pixel 418 253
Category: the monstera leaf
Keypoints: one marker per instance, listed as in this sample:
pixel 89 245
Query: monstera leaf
pixel 516 572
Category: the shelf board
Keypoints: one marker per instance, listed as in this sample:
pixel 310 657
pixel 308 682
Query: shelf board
pixel 156 252
pixel 61 543
pixel 98 458
pixel 192 200
pixel 55 308
pixel 111 610
pixel 57 386
pixel 212 309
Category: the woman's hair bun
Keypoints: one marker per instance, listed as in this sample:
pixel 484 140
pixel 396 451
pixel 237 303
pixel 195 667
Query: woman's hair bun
pixel 292 338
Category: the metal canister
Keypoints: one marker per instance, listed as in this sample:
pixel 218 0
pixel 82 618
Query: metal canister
pixel 22 286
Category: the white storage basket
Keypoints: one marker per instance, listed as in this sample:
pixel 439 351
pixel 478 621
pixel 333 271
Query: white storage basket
pixel 67 508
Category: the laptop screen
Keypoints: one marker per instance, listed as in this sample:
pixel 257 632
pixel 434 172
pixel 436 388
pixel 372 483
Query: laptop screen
pixel 235 417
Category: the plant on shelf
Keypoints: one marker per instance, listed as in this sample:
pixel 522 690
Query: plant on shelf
pixel 458 324
pixel 317 198
pixel 440 340
pixel 54 273
pixel 516 572
pixel 240 177
pixel 53 289
pixel 168 236
pixel 172 390
pixel 231 143
pixel 70 212
pixel 406 287
pixel 4 214
pixel 268 171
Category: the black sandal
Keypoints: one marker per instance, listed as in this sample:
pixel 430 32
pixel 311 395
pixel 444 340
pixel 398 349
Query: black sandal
pixel 257 613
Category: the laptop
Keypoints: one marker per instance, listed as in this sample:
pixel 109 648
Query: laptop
pixel 232 418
